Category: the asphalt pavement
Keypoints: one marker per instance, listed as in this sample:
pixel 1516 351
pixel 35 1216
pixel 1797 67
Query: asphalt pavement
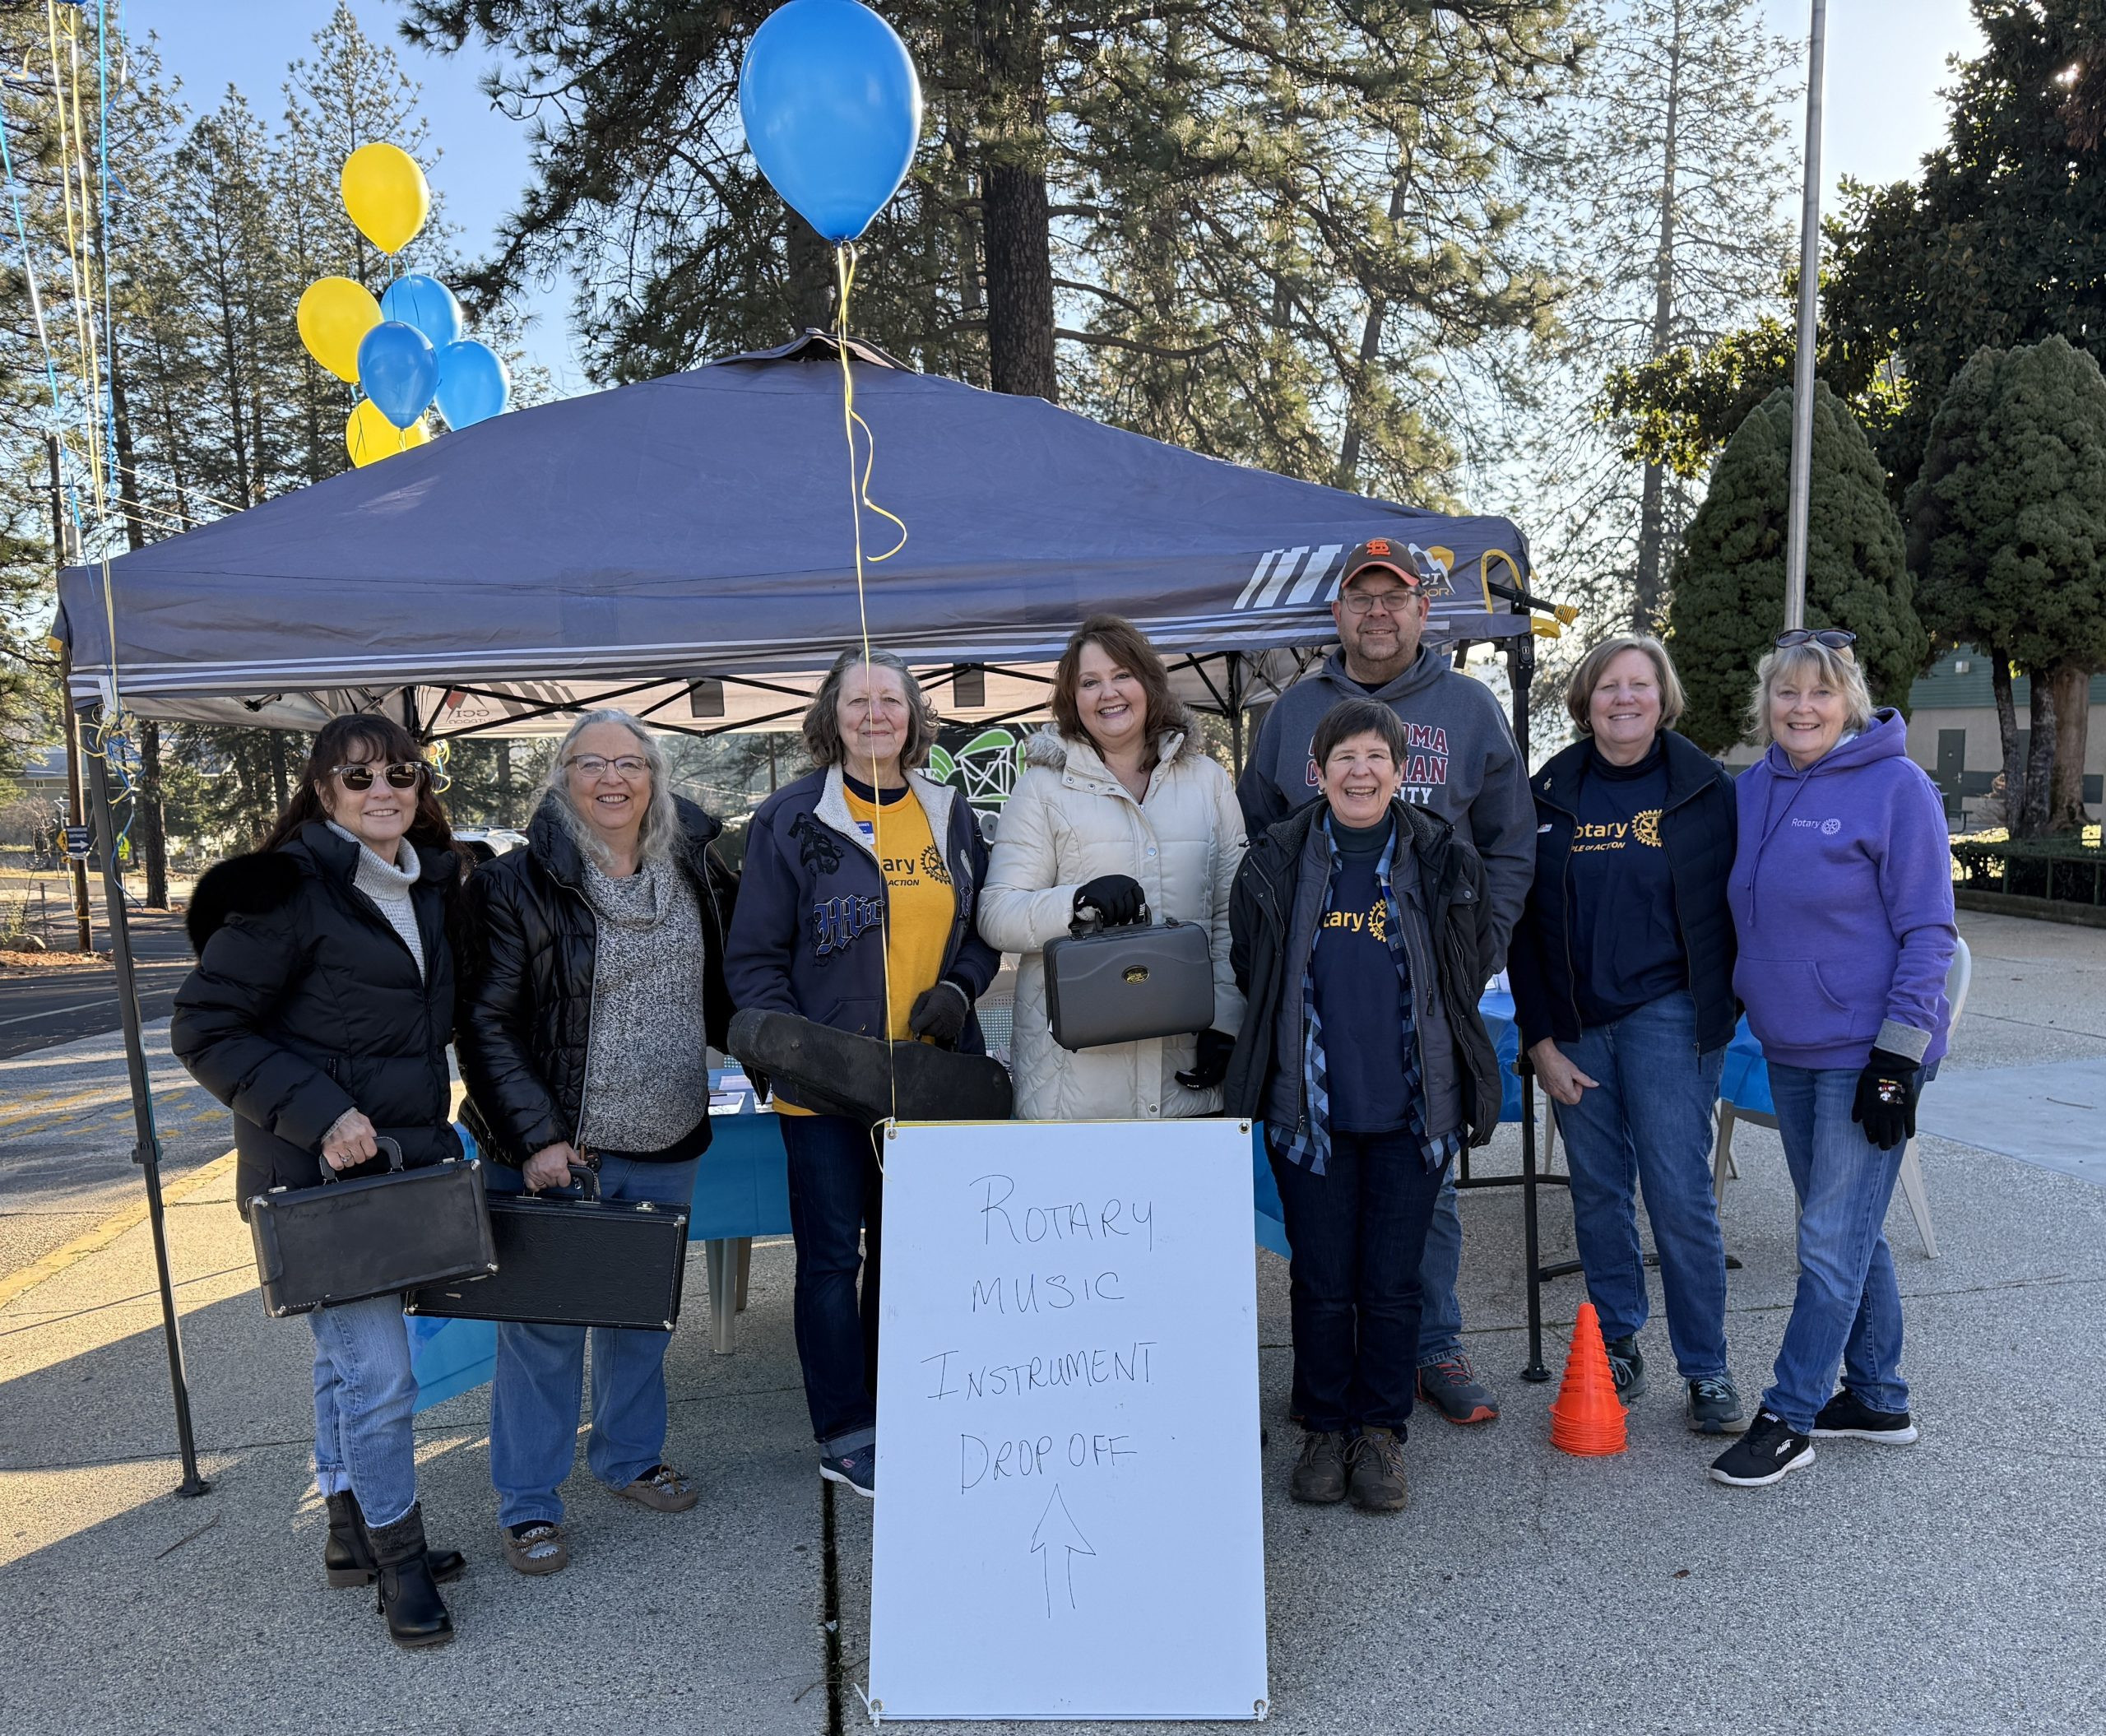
pixel 41 1009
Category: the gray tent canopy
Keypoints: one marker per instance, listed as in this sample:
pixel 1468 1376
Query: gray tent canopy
pixel 683 548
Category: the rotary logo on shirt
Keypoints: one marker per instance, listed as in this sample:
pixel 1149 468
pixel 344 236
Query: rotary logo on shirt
pixel 1374 921
pixel 1643 828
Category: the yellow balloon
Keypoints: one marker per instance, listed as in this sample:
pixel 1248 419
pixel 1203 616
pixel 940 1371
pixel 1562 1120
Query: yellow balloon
pixel 385 194
pixel 369 437
pixel 334 314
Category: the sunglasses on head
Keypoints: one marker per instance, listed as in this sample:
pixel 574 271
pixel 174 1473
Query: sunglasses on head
pixel 1834 638
pixel 404 774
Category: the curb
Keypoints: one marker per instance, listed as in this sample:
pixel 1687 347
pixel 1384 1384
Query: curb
pixel 94 1240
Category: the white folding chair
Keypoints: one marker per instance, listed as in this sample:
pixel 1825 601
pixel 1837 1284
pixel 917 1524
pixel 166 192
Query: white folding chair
pixel 1913 1191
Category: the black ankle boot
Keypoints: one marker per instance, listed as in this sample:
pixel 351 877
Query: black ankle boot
pixel 348 1561
pixel 409 1596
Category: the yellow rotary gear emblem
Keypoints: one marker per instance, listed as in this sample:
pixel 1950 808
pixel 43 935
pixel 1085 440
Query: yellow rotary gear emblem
pixel 1378 921
pixel 1645 827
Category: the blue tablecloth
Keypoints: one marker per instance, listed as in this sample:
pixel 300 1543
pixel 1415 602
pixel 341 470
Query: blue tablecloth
pixel 1746 1082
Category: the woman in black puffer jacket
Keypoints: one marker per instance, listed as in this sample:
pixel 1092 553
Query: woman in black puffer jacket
pixel 319 1012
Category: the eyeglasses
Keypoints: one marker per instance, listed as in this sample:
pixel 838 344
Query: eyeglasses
pixel 629 765
pixel 404 774
pixel 1834 638
pixel 1360 602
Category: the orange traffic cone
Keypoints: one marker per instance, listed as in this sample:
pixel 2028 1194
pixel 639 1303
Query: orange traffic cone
pixel 1587 1418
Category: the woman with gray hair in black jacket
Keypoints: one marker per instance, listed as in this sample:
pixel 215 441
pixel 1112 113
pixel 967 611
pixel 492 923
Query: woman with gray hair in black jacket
pixel 594 987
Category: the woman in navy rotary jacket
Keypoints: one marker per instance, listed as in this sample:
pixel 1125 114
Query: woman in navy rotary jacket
pixel 1622 968
pixel 856 911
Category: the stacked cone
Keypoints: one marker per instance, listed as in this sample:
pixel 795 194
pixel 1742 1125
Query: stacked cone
pixel 1587 1418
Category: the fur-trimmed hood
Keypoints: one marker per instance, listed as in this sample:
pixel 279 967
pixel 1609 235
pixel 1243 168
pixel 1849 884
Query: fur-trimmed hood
pixel 251 885
pixel 1048 748
pixel 261 881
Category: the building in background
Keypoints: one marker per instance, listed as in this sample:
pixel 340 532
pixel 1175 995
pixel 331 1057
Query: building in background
pixel 1953 735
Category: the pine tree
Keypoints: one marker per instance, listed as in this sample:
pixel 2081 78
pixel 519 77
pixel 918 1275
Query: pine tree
pixel 1248 230
pixel 1728 598
pixel 2007 536
pixel 1663 180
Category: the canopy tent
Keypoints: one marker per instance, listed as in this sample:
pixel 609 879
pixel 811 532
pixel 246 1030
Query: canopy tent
pixel 684 547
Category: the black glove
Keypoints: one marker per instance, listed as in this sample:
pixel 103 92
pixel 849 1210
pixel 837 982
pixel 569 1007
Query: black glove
pixel 940 1014
pixel 1887 1091
pixel 1116 899
pixel 1215 1048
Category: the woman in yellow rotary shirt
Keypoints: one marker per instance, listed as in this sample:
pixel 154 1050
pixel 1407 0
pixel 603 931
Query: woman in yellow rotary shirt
pixel 856 911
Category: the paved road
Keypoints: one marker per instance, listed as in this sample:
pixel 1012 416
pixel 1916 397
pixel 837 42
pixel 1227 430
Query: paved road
pixel 37 1011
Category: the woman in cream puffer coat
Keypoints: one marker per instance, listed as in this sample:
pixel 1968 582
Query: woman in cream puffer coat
pixel 1074 820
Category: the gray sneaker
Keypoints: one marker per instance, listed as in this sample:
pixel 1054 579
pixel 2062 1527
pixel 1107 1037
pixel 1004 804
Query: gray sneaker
pixel 1713 1405
pixel 1451 1387
pixel 1627 1363
pixel 1376 1460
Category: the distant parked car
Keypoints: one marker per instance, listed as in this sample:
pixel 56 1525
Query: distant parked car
pixel 486 843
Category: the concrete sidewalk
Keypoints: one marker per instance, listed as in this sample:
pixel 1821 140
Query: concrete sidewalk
pixel 1955 1586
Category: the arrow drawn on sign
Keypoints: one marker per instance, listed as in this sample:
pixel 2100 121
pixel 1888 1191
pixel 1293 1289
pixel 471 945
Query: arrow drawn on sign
pixel 1057 1529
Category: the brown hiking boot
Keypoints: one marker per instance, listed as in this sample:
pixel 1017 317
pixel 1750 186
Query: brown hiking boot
pixel 1319 1474
pixel 1377 1458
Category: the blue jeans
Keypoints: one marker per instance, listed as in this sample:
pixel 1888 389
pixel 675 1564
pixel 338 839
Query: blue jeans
pixel 1358 1236
pixel 1440 1315
pixel 1647 1123
pixel 1848 1309
pixel 539 1381
pixel 836 1200
pixel 364 1397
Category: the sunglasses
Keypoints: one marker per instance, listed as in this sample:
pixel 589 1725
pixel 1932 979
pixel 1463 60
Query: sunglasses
pixel 1834 638
pixel 404 774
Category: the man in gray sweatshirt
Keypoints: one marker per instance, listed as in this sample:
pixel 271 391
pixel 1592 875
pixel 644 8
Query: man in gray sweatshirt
pixel 1461 761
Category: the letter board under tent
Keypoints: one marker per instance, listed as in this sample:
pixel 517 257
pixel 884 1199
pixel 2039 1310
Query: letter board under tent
pixel 1071 1523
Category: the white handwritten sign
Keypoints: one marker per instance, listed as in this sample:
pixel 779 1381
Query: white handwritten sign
pixel 1068 1520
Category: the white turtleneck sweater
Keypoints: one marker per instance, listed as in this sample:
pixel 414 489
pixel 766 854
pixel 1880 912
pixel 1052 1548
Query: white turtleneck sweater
pixel 388 884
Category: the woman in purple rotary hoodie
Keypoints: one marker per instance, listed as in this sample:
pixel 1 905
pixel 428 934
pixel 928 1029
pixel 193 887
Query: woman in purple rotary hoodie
pixel 1842 900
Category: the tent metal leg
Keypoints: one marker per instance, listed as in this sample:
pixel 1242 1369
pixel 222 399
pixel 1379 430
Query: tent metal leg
pixel 147 1153
pixel 1535 1369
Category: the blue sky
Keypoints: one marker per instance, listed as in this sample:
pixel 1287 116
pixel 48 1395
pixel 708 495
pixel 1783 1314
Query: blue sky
pixel 1885 64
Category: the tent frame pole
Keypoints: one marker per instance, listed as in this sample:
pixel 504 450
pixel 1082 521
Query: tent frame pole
pixel 1521 671
pixel 146 1153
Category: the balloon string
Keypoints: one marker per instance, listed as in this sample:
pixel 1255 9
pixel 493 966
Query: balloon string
pixel 844 267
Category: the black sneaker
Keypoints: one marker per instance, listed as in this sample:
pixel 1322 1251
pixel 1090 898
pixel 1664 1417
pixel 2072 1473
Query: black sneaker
pixel 1628 1365
pixel 1769 1452
pixel 1319 1473
pixel 1846 1416
pixel 857 1468
pixel 1714 1404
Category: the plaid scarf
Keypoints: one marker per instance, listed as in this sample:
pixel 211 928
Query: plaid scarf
pixel 1310 1146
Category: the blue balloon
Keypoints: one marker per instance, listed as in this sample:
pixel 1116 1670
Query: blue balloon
pixel 399 369
pixel 832 110
pixel 426 303
pixel 473 386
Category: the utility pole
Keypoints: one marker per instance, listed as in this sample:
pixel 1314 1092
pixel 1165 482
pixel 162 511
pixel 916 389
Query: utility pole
pixel 61 550
pixel 1795 558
